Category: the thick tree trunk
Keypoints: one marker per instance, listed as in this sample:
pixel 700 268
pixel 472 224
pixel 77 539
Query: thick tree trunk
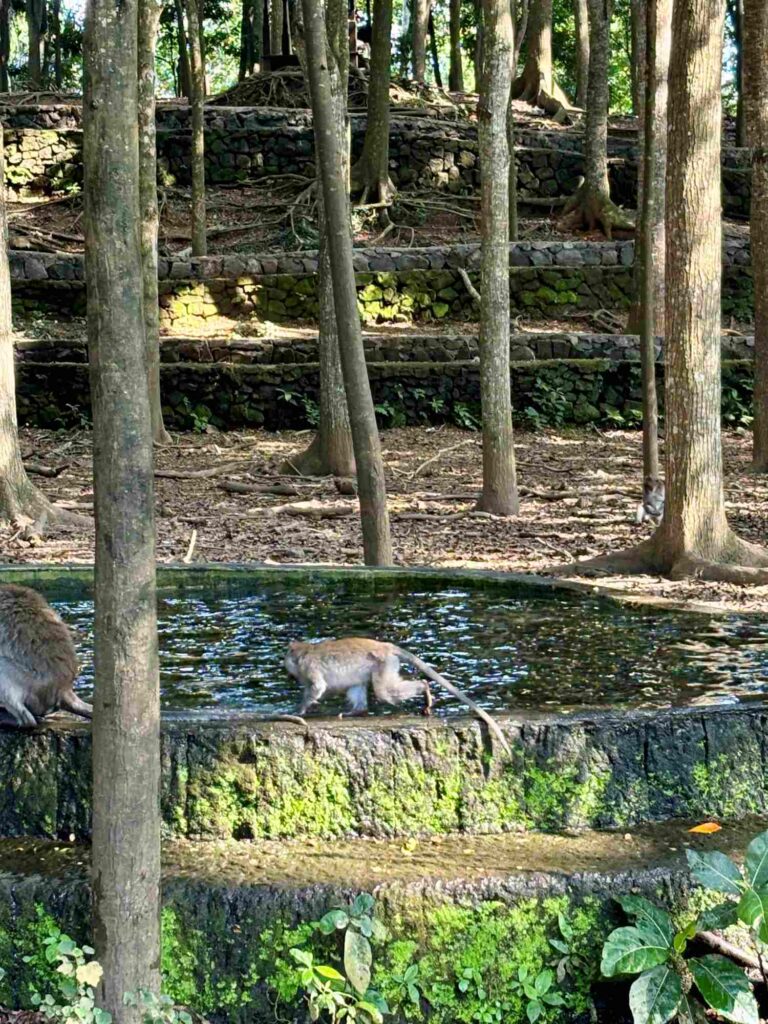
pixel 537 84
pixel 638 20
pixel 5 44
pixel 18 497
pixel 420 27
pixel 370 175
pixel 433 51
pixel 591 205
pixel 756 118
pixel 456 70
pixel 36 30
pixel 329 146
pixel 276 27
pixel 149 21
pixel 185 74
pixel 126 725
pixel 499 494
pixel 250 41
pixel 582 51
pixel 197 101
pixel 478 49
pixel 650 240
pixel 736 11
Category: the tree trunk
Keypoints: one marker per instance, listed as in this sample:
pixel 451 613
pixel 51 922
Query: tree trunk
pixel 420 27
pixel 582 52
pixel 18 497
pixel 756 118
pixel 247 40
pixel 499 494
pixel 5 44
pixel 537 84
pixel 591 205
pixel 185 74
pixel 329 146
pixel 478 50
pixel 149 22
pixel 736 11
pixel 58 71
pixel 370 175
pixel 36 29
pixel 276 27
pixel 638 20
pixel 433 51
pixel 197 101
pixel 456 70
pixel 650 241
pixel 126 725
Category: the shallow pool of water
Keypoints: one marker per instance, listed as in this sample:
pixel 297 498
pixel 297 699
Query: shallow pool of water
pixel 223 638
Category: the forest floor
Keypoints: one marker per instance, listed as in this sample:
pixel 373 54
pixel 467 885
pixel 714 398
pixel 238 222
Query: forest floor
pixel 579 492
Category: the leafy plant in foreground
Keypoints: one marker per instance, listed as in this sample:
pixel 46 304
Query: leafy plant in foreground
pixel 673 987
pixel 77 979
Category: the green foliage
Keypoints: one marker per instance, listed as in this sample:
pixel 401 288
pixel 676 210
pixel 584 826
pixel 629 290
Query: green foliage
pixel 196 417
pixel 77 976
pixel 671 986
pixel 302 401
pixel 156 1009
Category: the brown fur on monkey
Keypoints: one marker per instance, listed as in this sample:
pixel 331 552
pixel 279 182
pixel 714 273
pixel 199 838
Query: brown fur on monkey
pixel 350 665
pixel 38 663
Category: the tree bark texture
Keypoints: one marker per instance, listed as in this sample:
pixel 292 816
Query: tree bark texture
pixel 456 68
pixel 736 10
pixel 370 175
pixel 197 101
pixel 756 119
pixel 330 144
pixel 185 74
pixel 276 27
pixel 58 71
pixel 537 84
pixel 5 44
pixel 582 51
pixel 250 38
pixel 499 493
pixel 36 29
pixel 638 22
pixel 433 50
pixel 17 495
pixel 126 725
pixel 420 28
pixel 149 22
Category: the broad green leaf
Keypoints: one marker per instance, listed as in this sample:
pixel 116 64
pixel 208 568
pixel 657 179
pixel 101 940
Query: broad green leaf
pixel 373 1012
pixel 543 982
pixel 301 956
pixel 413 995
pixel 534 1010
pixel 756 861
pixel 753 909
pixel 357 960
pixel 649 916
pixel 690 1012
pixel 715 871
pixel 329 972
pixel 363 904
pixel 333 920
pixel 719 917
pixel 725 988
pixel 565 926
pixel 655 996
pixel 630 951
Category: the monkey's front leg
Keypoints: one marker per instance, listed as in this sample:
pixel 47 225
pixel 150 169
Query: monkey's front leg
pixel 314 688
pixel 427 709
pixel 357 701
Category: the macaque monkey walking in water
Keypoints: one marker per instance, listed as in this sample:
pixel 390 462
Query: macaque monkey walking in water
pixel 350 665
pixel 38 664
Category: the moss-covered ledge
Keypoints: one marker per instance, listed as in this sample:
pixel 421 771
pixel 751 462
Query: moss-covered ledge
pixel 238 777
pixel 233 911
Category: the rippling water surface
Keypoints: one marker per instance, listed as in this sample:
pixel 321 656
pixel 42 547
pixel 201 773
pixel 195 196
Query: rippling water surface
pixel 222 642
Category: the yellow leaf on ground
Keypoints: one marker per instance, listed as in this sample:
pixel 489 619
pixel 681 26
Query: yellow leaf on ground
pixel 706 828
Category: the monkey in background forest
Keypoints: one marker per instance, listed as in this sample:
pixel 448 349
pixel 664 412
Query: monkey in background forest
pixel 350 665
pixel 652 505
pixel 38 663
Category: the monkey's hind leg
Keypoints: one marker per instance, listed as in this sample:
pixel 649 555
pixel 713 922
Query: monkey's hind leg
pixel 392 688
pixel 14 685
pixel 357 701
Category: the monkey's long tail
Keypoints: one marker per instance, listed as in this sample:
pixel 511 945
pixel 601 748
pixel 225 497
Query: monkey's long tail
pixel 428 671
pixel 69 701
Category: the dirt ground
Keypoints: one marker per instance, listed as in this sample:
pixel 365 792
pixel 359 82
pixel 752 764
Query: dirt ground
pixel 579 492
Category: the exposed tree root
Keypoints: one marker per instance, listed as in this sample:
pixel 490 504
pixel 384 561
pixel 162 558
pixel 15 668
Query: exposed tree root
pixel 589 208
pixel 32 513
pixel 313 461
pixel 529 87
pixel 371 187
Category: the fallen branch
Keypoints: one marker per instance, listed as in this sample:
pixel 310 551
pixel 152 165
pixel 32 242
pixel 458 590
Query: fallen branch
pixel 38 469
pixel 190 550
pixel 443 451
pixel 240 487
pixel 316 510
pixel 473 292
pixel 193 474
pixel 733 952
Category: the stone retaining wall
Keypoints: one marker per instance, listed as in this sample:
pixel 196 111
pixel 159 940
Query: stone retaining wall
pixel 243 143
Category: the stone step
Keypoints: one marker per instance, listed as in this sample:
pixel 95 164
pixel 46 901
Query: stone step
pixel 393 346
pixel 234 776
pixel 232 912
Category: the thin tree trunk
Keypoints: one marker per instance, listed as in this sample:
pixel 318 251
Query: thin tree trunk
pixel 149 22
pixel 478 50
pixel 456 70
pixel 18 497
pixel 126 725
pixel 499 494
pixel 537 84
pixel 276 27
pixel 58 71
pixel 185 74
pixel 420 27
pixel 433 51
pixel 591 205
pixel 329 146
pixel 650 242
pixel 246 41
pixel 197 101
pixel 36 29
pixel 5 44
pixel 638 19
pixel 582 52
pixel 736 10
pixel 756 119
pixel 370 175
